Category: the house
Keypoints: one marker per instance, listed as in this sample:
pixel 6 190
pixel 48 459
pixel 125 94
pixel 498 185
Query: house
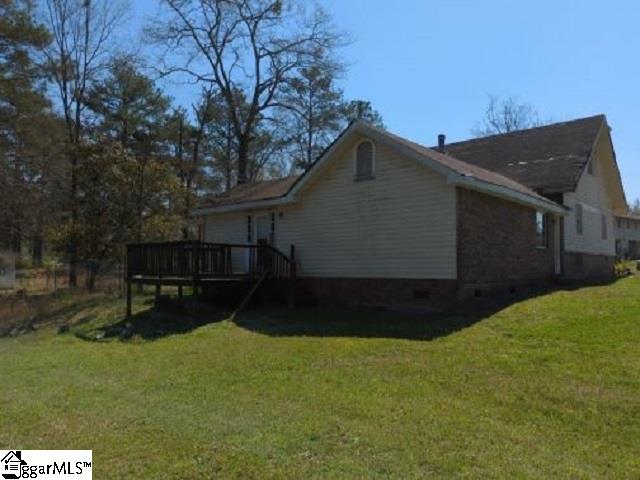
pixel 381 219
pixel 627 233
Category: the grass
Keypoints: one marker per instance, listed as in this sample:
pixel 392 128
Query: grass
pixel 548 387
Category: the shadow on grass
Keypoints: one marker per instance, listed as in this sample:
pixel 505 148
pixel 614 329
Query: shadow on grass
pixel 357 323
pixel 177 317
pixel 389 323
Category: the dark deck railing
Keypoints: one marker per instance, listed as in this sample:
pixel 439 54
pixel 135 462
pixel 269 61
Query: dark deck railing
pixel 198 261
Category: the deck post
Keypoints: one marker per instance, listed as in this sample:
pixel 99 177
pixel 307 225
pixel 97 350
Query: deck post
pixel 195 266
pixel 128 298
pixel 292 277
pixel 179 291
pixel 128 269
pixel 159 272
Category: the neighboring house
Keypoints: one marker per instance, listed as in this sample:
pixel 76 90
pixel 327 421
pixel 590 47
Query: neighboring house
pixel 381 219
pixel 627 233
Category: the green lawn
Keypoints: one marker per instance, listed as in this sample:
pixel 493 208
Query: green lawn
pixel 548 387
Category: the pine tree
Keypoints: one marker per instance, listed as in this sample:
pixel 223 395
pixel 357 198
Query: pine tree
pixel 362 110
pixel 24 116
pixel 315 101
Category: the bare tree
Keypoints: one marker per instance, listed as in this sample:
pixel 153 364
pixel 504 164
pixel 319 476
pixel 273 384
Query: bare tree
pixel 205 112
pixel 80 30
pixel 507 115
pixel 247 46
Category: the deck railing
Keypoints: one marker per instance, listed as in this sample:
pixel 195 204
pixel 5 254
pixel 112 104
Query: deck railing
pixel 202 260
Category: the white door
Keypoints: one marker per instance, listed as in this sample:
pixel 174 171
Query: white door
pixel 263 230
pixel 263 237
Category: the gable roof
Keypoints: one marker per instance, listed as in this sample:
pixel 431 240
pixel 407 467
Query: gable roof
pixel 457 172
pixel 549 159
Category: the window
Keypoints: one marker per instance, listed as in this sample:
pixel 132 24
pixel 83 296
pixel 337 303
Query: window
pixel 541 230
pixel 579 218
pixel 364 161
pixel 619 223
pixel 604 227
pixel 249 229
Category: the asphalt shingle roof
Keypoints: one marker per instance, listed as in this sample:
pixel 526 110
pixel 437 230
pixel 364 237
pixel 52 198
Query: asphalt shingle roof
pixel 251 192
pixel 549 159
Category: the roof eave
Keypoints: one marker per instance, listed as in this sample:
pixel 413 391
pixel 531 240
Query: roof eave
pixel 473 183
pixel 235 207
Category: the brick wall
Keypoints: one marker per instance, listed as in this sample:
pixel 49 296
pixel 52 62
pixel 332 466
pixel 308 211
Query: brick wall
pixel 497 243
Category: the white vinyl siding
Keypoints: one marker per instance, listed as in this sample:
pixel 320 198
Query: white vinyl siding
pixel 579 211
pixel 594 200
pixel 402 225
pixel 230 228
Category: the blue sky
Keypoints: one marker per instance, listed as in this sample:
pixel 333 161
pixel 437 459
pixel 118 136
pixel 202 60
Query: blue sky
pixel 429 65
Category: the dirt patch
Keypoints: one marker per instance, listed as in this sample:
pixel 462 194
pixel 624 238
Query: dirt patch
pixel 21 313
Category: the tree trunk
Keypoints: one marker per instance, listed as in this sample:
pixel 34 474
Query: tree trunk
pixel 309 146
pixel 228 163
pixel 73 247
pixel 16 238
pixel 36 251
pixel 243 159
pixel 91 274
pixel 139 205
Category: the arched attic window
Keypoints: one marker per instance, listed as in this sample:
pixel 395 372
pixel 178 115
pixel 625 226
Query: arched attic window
pixel 365 162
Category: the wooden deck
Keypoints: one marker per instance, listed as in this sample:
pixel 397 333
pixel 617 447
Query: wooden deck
pixel 197 264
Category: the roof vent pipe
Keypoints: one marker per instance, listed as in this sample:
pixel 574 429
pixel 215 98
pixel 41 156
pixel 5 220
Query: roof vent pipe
pixel 441 140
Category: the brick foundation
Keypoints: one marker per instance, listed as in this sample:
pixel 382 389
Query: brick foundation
pixel 381 291
pixel 497 247
pixel 582 266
